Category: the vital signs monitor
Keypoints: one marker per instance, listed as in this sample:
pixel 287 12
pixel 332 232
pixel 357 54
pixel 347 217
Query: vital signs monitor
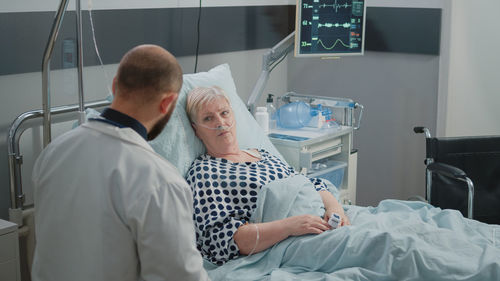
pixel 329 28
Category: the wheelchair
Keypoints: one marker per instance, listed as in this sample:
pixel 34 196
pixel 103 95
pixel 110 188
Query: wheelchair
pixel 463 173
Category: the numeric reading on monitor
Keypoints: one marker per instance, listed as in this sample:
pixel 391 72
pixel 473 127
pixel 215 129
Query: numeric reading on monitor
pixel 330 27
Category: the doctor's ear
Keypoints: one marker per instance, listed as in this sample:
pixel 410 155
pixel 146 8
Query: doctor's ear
pixel 168 101
pixel 113 86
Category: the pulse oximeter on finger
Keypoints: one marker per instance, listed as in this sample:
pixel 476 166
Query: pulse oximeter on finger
pixel 334 220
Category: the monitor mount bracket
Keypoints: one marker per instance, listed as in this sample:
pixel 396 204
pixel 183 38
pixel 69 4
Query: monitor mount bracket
pixel 269 61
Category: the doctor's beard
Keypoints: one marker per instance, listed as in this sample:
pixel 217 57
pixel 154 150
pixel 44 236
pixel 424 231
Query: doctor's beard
pixel 158 127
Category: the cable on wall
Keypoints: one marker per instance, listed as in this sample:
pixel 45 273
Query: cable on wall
pixel 197 40
pixel 96 48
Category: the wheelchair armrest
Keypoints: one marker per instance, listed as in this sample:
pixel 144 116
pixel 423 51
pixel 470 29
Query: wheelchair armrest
pixel 418 130
pixel 422 130
pixel 456 173
pixel 447 170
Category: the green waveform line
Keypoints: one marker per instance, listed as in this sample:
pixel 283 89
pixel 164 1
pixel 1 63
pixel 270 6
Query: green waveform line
pixel 336 6
pixel 336 41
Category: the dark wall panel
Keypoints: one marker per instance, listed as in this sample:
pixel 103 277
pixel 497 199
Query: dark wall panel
pixel 223 29
pixel 403 30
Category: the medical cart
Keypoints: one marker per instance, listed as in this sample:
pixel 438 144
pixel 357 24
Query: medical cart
pixel 323 152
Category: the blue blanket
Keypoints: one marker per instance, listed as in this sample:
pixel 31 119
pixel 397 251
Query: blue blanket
pixel 397 240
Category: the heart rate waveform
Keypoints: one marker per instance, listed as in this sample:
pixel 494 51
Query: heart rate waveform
pixel 336 6
pixel 329 27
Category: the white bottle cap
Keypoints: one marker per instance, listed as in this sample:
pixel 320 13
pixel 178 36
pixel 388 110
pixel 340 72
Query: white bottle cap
pixel 261 109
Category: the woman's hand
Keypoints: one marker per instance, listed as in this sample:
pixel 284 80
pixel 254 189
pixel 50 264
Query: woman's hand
pixel 306 224
pixel 270 233
pixel 333 206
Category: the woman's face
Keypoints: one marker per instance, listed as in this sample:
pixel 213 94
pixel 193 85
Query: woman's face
pixel 215 114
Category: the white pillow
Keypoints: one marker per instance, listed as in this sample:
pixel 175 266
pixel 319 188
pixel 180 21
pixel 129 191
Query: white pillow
pixel 178 143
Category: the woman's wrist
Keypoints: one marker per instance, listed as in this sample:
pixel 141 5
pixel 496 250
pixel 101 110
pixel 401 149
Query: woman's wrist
pixel 330 202
pixel 334 209
pixel 286 226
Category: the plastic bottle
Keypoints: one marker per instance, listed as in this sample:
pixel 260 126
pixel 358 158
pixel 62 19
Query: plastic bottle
pixel 294 115
pixel 271 111
pixel 318 119
pixel 262 118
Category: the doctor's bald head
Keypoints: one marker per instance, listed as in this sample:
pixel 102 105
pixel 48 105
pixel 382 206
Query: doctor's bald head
pixel 146 72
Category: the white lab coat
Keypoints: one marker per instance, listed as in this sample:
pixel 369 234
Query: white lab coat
pixel 107 207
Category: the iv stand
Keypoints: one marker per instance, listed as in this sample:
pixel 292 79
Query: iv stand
pixel 56 26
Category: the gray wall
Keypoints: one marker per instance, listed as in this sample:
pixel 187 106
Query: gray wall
pixel 399 91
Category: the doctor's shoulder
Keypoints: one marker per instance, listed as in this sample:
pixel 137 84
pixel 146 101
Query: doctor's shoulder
pixel 62 140
pixel 68 141
pixel 164 170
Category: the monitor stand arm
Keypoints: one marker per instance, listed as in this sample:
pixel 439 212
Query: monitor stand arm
pixel 269 61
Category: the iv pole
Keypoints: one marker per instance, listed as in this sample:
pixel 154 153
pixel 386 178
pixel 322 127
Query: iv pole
pixel 56 26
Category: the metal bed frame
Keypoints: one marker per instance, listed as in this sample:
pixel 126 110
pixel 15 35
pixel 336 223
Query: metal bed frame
pixel 32 118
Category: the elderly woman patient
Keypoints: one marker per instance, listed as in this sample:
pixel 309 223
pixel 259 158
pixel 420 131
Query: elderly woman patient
pixel 226 182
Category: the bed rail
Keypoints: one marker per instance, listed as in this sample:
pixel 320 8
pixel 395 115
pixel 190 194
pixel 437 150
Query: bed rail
pixel 27 120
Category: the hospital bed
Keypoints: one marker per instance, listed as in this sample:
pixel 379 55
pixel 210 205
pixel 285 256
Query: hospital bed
pixel 397 240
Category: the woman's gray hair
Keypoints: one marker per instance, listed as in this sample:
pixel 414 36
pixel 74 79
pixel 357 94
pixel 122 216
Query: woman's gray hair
pixel 198 97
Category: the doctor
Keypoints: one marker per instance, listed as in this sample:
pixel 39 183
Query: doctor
pixel 107 207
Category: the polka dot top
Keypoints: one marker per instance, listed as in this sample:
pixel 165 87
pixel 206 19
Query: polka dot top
pixel 225 195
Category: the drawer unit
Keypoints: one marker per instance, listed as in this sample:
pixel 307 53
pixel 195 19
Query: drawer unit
pixel 306 148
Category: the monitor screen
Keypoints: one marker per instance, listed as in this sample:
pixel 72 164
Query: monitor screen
pixel 329 28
